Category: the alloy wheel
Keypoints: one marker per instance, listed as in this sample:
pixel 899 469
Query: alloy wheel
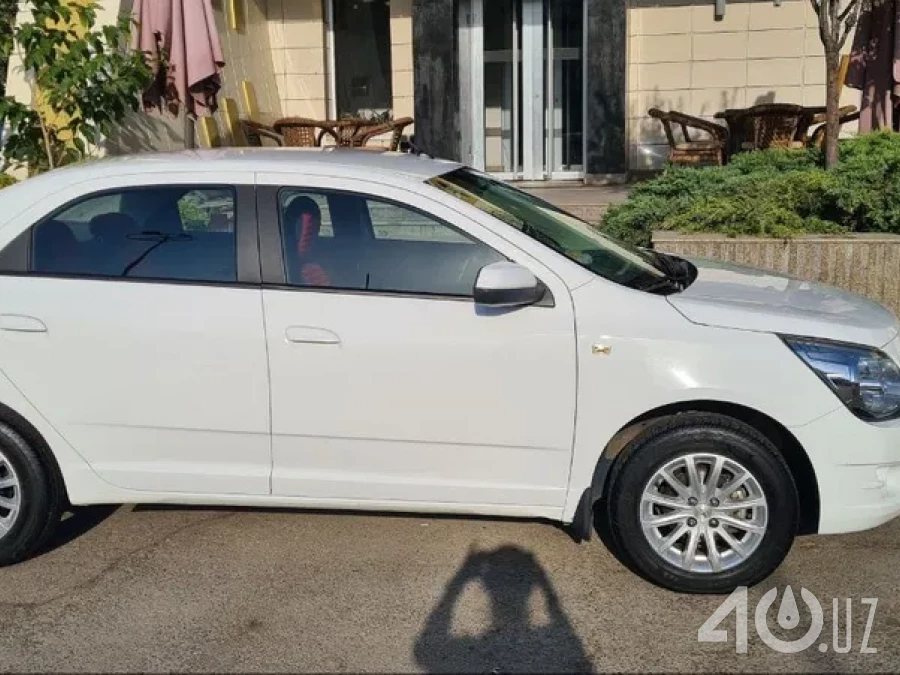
pixel 704 513
pixel 10 496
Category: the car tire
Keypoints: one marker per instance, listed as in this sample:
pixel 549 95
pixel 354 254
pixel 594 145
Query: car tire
pixel 752 524
pixel 31 501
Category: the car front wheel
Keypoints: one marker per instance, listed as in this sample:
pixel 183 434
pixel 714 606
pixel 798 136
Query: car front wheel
pixel 702 503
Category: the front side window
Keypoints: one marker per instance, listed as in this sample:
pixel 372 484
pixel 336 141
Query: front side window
pixel 395 223
pixel 348 241
pixel 166 232
pixel 553 227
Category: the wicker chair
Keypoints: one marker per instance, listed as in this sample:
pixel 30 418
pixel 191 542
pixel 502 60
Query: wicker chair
pixel 355 133
pixel 395 128
pixel 691 152
pixel 816 139
pixel 300 132
pixel 254 132
pixel 769 125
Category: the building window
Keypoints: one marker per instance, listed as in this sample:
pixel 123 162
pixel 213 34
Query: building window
pixel 362 45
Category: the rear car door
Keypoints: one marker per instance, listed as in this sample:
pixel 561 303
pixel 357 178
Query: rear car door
pixel 389 384
pixel 130 316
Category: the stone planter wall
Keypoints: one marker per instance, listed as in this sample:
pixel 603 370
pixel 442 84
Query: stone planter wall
pixel 867 264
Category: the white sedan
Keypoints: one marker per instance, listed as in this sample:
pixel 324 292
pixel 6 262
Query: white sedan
pixel 355 330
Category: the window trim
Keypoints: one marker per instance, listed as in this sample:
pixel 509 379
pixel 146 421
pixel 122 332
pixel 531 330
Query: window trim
pixel 274 275
pixel 16 255
pixel 247 259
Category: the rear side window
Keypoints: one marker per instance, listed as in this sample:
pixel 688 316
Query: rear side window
pixel 167 233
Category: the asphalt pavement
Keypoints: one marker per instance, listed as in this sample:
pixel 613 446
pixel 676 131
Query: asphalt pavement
pixel 206 590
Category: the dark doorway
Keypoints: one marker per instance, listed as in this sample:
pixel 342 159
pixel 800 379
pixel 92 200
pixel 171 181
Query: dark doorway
pixel 362 46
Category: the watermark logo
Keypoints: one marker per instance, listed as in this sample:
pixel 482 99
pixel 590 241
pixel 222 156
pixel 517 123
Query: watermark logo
pixel 788 618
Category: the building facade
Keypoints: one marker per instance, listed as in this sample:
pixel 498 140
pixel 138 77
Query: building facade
pixel 530 90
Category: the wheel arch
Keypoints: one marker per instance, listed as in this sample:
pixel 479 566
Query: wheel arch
pixel 795 455
pixel 34 438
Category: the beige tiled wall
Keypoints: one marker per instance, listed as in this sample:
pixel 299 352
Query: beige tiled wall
pixel 681 58
pixel 248 56
pixel 297 40
pixel 402 57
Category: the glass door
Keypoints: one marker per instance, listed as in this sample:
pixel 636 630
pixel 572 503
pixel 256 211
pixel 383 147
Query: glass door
pixel 522 87
pixel 566 85
pixel 358 43
pixel 502 72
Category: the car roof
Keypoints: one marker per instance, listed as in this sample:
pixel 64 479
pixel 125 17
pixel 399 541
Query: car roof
pixel 335 162
pixel 332 161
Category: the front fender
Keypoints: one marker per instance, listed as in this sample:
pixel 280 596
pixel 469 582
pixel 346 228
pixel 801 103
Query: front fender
pixel 637 354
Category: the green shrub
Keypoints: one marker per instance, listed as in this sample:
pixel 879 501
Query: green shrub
pixel 775 193
pixel 778 160
pixel 6 180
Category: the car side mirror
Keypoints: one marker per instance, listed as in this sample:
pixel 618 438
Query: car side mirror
pixel 507 284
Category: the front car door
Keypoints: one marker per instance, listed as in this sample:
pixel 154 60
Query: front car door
pixel 390 386
pixel 134 325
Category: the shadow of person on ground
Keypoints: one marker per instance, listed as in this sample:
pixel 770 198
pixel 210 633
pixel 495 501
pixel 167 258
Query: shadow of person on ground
pixel 517 638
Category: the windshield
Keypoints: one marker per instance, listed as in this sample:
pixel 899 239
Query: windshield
pixel 553 227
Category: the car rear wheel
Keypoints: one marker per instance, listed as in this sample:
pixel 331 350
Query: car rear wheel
pixel 30 502
pixel 702 503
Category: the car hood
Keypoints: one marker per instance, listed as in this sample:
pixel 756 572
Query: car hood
pixel 744 298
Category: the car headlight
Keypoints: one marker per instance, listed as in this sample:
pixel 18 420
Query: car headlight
pixel 866 379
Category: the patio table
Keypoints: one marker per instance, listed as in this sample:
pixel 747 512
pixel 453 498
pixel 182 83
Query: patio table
pixel 769 125
pixel 774 125
pixel 780 125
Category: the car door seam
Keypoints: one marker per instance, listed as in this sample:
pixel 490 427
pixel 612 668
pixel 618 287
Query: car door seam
pixel 265 328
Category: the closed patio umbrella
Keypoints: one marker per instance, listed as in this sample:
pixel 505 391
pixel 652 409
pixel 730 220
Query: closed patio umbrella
pixel 183 48
pixel 875 65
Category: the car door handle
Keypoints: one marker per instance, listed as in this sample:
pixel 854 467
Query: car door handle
pixel 19 323
pixel 311 335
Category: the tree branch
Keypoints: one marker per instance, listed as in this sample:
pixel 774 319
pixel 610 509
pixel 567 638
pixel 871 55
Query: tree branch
pixel 850 18
pixel 45 133
pixel 834 7
pixel 845 35
pixel 852 5
pixel 48 145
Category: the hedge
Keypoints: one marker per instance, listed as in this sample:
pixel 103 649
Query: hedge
pixel 6 180
pixel 772 193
